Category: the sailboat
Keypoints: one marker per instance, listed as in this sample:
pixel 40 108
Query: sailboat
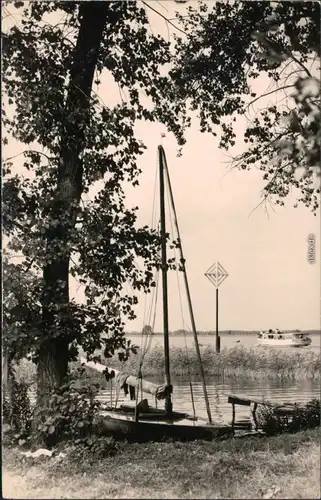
pixel 143 422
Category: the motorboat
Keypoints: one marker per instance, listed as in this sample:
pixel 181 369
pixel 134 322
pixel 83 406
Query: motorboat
pixel 288 339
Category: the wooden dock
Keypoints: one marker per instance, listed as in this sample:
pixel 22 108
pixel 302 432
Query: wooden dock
pixel 284 409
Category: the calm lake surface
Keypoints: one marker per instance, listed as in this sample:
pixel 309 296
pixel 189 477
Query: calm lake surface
pixel 271 390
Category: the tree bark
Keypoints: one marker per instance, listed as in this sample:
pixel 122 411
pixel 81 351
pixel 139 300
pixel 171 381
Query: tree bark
pixel 7 359
pixel 53 353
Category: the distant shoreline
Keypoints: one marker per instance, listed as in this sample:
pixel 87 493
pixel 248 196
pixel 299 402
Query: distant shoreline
pixel 223 333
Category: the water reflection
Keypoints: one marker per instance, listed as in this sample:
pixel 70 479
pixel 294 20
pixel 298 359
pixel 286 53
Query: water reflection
pixel 218 390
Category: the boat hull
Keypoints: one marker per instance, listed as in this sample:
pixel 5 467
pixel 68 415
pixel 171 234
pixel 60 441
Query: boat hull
pixel 142 431
pixel 285 343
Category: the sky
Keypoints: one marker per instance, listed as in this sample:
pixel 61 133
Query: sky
pixel 271 284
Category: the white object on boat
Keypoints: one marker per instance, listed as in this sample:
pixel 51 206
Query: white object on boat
pixel 278 338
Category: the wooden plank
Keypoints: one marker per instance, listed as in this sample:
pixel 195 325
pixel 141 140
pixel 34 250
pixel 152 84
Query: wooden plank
pixel 248 400
pixel 241 400
pixel 244 400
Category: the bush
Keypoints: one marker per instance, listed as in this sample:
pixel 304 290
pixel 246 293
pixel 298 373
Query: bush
pixel 306 417
pixel 271 423
pixel 302 418
pixel 17 408
pixel 71 413
pixel 70 417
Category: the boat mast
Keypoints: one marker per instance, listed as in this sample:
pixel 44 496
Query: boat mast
pixel 189 300
pixel 168 400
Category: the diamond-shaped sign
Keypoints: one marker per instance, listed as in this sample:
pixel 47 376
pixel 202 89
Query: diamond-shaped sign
pixel 216 274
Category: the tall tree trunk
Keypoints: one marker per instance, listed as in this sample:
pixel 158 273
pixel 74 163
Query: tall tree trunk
pixel 53 354
pixel 7 358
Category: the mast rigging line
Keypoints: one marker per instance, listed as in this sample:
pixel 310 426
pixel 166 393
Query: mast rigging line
pixel 163 157
pixel 151 322
pixel 146 339
pixel 181 304
pixel 153 225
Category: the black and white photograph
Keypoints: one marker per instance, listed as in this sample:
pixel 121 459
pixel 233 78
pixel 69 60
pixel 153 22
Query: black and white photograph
pixel 161 307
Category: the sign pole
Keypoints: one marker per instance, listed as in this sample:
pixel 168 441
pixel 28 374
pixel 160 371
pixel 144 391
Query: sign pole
pixel 216 274
pixel 218 339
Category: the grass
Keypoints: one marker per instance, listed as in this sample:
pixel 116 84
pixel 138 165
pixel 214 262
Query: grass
pixel 238 468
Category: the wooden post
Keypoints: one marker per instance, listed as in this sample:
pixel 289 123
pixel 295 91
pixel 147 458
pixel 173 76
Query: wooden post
pixel 136 404
pixel 253 409
pixel 217 338
pixel 233 417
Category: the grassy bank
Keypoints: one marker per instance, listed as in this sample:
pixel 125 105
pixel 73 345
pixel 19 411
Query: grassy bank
pixel 239 468
pixel 236 361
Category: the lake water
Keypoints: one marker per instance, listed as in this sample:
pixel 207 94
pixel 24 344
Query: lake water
pixel 228 341
pixel 271 390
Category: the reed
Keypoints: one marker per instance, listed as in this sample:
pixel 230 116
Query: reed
pixel 254 363
pixel 233 362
